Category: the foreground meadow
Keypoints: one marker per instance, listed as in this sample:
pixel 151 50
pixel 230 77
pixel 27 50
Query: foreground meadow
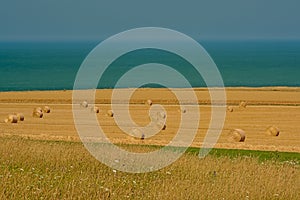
pixel 37 169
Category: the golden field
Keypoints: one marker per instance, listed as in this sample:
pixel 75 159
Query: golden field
pixel 278 107
pixel 43 158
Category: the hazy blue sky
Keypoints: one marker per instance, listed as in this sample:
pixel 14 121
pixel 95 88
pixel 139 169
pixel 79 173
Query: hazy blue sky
pixel 95 19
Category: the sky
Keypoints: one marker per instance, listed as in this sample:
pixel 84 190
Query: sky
pixel 97 20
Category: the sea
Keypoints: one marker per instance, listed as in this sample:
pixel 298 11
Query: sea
pixel 48 65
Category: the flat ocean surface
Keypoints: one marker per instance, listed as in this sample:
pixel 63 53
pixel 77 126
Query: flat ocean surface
pixel 53 65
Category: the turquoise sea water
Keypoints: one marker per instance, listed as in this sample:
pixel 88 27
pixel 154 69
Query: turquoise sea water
pixel 53 65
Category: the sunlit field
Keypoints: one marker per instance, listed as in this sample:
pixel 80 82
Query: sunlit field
pixel 37 169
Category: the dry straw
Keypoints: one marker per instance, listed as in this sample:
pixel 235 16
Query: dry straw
pixel 273 131
pixel 84 104
pixel 20 116
pixel 230 109
pixel 161 115
pixel 95 109
pixel 137 133
pixel 158 116
pixel 182 110
pixel 161 125
pixel 237 135
pixel 46 109
pixel 37 113
pixel 38 109
pixel 11 119
pixel 149 102
pixel 110 113
pixel 243 104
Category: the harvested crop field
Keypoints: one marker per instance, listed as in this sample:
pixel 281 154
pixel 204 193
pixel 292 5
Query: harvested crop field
pixel 43 157
pixel 266 107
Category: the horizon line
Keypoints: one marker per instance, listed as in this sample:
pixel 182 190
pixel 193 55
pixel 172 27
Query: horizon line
pixel 2 40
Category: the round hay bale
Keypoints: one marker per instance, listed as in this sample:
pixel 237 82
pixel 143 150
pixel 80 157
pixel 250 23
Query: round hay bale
pixel 11 119
pixel 149 102
pixel 37 114
pixel 84 104
pixel 237 135
pixel 161 115
pixel 243 104
pixel 230 109
pixel 110 113
pixel 273 131
pixel 161 125
pixel 46 109
pixel 95 109
pixel 182 110
pixel 137 133
pixel 38 109
pixel 20 116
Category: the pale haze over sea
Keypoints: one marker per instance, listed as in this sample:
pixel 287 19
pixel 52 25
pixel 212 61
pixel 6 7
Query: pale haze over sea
pixel 254 43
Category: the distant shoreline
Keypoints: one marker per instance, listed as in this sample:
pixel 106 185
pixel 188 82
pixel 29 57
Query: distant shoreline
pixel 176 88
pixel 279 96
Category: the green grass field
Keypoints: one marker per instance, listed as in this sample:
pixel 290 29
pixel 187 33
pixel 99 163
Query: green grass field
pixel 36 169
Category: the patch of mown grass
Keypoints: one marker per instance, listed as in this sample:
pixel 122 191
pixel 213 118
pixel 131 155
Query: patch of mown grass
pixel 231 153
pixel 261 155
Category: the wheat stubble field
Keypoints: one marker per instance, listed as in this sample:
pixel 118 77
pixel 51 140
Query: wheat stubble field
pixel 44 158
